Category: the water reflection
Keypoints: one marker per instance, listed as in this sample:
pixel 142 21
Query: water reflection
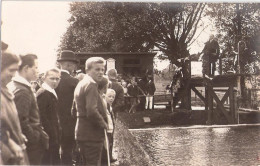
pixel 208 146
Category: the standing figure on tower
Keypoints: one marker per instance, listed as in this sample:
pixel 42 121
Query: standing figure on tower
pixel 210 56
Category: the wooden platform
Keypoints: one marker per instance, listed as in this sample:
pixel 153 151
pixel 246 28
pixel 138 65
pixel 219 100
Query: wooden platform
pixel 228 84
pixel 217 81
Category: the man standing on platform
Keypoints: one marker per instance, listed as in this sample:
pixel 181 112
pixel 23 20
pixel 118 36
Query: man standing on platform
pixel 210 57
pixel 28 110
pixel 65 91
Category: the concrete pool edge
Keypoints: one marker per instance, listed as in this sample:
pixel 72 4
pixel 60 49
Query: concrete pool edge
pixel 196 127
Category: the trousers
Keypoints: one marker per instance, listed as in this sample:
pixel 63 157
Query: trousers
pixel 91 152
pixel 149 102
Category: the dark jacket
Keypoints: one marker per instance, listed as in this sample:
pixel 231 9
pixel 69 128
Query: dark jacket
pixel 91 113
pixel 150 88
pixel 28 112
pixel 47 103
pixel 133 90
pixel 65 91
pixel 119 99
pixel 211 50
pixel 10 129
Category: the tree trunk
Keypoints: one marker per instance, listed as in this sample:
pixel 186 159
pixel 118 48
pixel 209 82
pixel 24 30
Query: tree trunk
pixel 186 70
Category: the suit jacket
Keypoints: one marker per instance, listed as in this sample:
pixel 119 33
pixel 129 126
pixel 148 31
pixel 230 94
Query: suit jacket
pixel 28 113
pixel 91 113
pixel 119 98
pixel 211 50
pixel 65 91
pixel 47 103
pixel 150 88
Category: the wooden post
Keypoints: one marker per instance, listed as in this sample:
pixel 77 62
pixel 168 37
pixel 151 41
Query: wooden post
pixel 206 98
pixel 236 108
pixel 189 98
pixel 232 103
pixel 210 106
pixel 220 66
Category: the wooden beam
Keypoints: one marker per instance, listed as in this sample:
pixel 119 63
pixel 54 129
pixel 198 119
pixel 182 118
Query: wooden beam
pixel 232 103
pixel 206 97
pixel 210 111
pixel 224 98
pixel 198 94
pixel 220 105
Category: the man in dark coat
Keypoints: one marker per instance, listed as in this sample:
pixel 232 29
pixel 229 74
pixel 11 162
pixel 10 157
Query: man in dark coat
pixel 28 110
pixel 211 55
pixel 91 113
pixel 65 91
pixel 47 102
pixel 142 85
pixel 133 91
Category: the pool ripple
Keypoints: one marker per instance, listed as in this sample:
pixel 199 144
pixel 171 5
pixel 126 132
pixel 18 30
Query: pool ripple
pixel 203 146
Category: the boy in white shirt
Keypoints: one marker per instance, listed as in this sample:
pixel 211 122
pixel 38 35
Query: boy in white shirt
pixel 110 97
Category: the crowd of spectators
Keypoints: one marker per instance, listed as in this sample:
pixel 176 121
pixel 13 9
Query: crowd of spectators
pixel 57 118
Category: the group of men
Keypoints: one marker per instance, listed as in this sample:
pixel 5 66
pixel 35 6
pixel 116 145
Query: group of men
pixel 42 129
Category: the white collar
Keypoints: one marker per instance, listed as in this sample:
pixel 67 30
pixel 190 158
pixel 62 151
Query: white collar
pixel 89 78
pixel 66 71
pixel 48 88
pixel 22 80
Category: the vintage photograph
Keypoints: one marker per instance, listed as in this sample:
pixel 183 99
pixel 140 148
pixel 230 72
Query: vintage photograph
pixel 121 83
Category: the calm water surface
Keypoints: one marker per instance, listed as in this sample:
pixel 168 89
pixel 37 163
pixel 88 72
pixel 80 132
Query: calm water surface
pixel 203 146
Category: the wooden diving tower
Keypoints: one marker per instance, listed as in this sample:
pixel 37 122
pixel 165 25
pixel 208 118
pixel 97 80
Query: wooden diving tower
pixel 227 84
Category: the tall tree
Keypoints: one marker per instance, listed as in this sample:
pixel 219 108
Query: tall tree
pixel 116 26
pixel 236 22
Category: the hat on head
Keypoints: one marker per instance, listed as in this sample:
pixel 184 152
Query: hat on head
pixel 112 74
pixel 67 55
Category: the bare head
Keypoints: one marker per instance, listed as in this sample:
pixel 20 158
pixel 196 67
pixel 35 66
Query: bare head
pixel 110 96
pixel 124 84
pixel 95 67
pixel 211 37
pixel 9 66
pixel 52 77
pixel 29 67
pixel 112 74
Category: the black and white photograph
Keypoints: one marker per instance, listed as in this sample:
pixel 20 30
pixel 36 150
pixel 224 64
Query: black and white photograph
pixel 130 83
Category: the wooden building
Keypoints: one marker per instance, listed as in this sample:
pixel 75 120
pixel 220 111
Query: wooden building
pixel 126 63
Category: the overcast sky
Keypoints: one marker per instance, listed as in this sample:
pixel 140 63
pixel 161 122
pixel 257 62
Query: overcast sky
pixel 36 27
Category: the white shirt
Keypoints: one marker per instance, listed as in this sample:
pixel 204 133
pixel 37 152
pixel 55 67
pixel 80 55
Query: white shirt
pixel 48 88
pixel 109 119
pixel 66 71
pixel 22 80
